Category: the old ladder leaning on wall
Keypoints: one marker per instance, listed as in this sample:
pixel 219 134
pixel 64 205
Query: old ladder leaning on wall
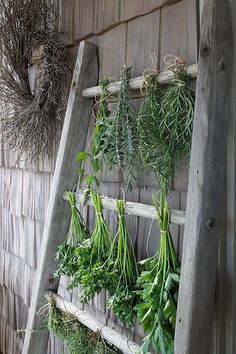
pixel 203 215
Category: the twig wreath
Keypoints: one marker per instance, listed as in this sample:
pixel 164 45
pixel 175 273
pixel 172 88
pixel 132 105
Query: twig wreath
pixel 29 118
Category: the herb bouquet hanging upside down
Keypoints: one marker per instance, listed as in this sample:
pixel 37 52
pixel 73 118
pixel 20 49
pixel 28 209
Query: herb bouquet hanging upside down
pixel 165 122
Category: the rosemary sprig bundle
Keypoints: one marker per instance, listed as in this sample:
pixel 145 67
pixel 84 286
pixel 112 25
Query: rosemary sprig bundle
pixel 94 152
pixel 149 120
pixel 93 254
pixel 121 148
pixel 159 283
pixel 78 231
pixel 177 110
pixel 155 152
pixel 124 273
pixel 165 124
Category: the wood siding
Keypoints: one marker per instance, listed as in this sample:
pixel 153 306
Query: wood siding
pixel 124 31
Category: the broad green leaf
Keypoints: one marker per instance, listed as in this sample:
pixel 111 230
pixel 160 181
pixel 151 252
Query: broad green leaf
pixel 81 156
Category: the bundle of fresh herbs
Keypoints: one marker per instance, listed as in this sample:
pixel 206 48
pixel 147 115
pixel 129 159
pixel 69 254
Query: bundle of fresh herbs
pixel 92 255
pixel 123 273
pixel 154 151
pixel 78 231
pixel 78 338
pixel 121 140
pixel 94 152
pixel 165 124
pixel 177 109
pixel 159 283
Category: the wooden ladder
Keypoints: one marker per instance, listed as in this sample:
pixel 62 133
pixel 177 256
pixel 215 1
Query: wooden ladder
pixel 203 219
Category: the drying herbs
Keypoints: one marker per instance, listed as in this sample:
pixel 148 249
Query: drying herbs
pixel 78 231
pixel 165 123
pixel 154 151
pixel 94 152
pixel 177 109
pixel 92 254
pixel 159 283
pixel 78 338
pixel 121 140
pixel 123 272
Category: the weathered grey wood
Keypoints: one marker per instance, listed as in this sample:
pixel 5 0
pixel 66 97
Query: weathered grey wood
pixel 65 177
pixel 207 176
pixel 137 209
pixel 137 82
pixel 88 320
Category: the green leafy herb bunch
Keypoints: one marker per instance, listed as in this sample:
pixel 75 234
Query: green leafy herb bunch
pixel 78 232
pixel 93 255
pixel 95 151
pixel 123 272
pixel 158 289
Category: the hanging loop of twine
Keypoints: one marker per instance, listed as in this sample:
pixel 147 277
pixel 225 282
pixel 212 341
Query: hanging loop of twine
pixel 174 63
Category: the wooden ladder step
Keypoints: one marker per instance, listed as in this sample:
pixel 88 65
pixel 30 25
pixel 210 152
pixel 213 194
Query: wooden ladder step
pixel 87 319
pixel 136 83
pixel 136 209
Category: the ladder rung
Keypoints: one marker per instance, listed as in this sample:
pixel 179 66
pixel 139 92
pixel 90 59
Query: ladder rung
pixel 91 322
pixel 137 82
pixel 136 209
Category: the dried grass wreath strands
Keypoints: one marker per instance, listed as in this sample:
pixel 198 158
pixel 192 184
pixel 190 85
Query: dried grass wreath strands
pixel 29 119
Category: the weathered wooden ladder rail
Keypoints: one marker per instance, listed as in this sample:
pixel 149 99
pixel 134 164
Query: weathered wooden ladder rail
pixel 136 209
pixel 88 320
pixel 136 83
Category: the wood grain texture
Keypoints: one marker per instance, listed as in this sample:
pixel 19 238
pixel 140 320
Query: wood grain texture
pixel 112 51
pixel 142 37
pixel 106 14
pixel 207 175
pixel 83 18
pixel 65 177
pixel 178 33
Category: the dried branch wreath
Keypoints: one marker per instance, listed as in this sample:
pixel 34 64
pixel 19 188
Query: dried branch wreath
pixel 29 118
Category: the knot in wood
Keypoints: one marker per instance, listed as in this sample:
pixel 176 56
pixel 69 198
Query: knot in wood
pixel 210 223
pixel 50 280
pixel 205 51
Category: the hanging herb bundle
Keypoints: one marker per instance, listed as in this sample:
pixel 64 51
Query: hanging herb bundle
pixel 154 151
pixel 92 254
pixel 78 231
pixel 124 274
pixel 177 109
pixel 78 338
pixel 94 152
pixel 165 123
pixel 121 140
pixel 159 283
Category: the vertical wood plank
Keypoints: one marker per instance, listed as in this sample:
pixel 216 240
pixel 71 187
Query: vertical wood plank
pixel 112 51
pixel 205 216
pixel 65 177
pixel 142 37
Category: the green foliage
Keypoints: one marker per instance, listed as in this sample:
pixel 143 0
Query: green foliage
pixel 120 148
pixel 123 272
pixel 66 257
pixel 78 338
pixel 165 125
pixel 92 255
pixel 158 291
pixel 98 139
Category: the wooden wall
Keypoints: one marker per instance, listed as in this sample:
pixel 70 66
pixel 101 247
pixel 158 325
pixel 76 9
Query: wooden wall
pixel 124 31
